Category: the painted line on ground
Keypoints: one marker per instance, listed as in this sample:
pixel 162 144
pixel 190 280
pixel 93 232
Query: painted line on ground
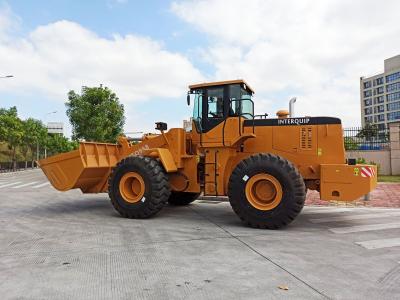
pixel 378 244
pixel 10 184
pixel 355 217
pixel 325 210
pixel 361 228
pixel 23 185
pixel 41 185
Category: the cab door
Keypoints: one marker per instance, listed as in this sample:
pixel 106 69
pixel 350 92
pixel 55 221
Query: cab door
pixel 214 108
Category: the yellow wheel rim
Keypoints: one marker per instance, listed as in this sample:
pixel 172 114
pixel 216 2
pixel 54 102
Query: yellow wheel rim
pixel 264 191
pixel 132 187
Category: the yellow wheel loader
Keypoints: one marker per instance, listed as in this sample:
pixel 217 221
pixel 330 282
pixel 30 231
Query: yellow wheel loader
pixel 264 165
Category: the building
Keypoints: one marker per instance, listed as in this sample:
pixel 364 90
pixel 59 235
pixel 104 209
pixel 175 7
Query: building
pixel 380 95
pixel 55 128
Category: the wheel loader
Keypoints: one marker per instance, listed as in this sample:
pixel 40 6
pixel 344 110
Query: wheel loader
pixel 264 165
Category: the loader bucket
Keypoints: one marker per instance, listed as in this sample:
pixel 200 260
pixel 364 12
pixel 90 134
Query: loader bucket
pixel 86 168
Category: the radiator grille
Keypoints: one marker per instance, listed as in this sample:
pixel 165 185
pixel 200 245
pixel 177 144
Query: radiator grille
pixel 306 138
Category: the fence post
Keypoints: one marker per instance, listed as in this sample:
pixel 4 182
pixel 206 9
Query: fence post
pixel 394 132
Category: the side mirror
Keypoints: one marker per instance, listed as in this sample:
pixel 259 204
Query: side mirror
pixel 161 126
pixel 188 99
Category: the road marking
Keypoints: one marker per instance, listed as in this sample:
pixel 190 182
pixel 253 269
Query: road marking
pixel 355 217
pixel 23 185
pixel 378 244
pixel 40 185
pixel 360 228
pixel 10 184
pixel 325 210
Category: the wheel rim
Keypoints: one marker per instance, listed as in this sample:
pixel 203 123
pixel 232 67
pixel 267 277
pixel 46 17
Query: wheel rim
pixel 264 191
pixel 132 187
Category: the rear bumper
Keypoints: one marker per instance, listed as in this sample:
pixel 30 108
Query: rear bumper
pixel 347 182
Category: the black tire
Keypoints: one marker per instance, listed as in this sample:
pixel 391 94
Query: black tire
pixel 293 191
pixel 182 198
pixel 157 190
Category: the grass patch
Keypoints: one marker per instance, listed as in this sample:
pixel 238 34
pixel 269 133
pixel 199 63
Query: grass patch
pixel 387 178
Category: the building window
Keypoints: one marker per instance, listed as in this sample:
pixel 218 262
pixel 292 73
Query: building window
pixel 368 93
pixel 393 106
pixel 368 119
pixel 379 109
pixel 393 116
pixel 393 97
pixel 367 84
pixel 368 102
pixel 393 77
pixel 379 118
pixel 379 99
pixel 368 111
pixel 379 90
pixel 378 81
pixel 381 127
pixel 393 87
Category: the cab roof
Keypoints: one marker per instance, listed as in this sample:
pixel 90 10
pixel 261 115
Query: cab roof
pixel 219 83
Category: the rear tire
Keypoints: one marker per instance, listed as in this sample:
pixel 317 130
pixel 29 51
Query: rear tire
pixel 182 198
pixel 266 191
pixel 138 187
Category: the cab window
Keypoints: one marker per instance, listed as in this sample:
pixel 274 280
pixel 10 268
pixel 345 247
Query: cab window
pixel 215 103
pixel 197 106
pixel 240 102
pixel 198 110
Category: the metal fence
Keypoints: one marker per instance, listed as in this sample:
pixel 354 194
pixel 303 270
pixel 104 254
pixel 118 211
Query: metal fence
pixel 19 166
pixel 367 138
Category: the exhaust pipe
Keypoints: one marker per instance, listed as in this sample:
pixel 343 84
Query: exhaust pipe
pixel 291 107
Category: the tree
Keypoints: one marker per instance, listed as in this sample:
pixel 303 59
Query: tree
pixel 350 143
pixel 368 132
pixel 57 143
pixel 35 134
pixel 95 115
pixel 11 131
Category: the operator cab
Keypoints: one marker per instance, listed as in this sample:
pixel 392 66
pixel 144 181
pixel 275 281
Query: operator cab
pixel 214 102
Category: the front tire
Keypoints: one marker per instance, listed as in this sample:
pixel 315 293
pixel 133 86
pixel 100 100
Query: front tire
pixel 266 191
pixel 138 187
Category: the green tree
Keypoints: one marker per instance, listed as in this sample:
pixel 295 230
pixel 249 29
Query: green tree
pixel 95 115
pixel 368 132
pixel 11 131
pixel 57 143
pixel 35 135
pixel 350 143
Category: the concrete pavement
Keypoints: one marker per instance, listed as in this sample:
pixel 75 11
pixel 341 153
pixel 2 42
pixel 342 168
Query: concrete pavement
pixel 385 195
pixel 56 245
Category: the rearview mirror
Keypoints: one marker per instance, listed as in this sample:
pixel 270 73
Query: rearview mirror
pixel 188 99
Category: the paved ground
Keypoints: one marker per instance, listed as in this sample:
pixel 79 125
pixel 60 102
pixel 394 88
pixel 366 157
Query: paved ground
pixel 385 195
pixel 57 245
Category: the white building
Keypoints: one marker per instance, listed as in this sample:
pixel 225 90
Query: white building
pixel 380 95
pixel 55 127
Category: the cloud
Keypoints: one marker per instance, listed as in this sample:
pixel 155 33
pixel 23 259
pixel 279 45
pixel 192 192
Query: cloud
pixel 60 56
pixel 316 50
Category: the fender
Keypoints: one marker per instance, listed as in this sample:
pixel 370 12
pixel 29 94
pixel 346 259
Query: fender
pixel 165 157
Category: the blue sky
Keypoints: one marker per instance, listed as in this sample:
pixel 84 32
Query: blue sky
pixel 106 17
pixel 149 51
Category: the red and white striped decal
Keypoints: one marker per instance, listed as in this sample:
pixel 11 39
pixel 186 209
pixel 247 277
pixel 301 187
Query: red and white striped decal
pixel 367 172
